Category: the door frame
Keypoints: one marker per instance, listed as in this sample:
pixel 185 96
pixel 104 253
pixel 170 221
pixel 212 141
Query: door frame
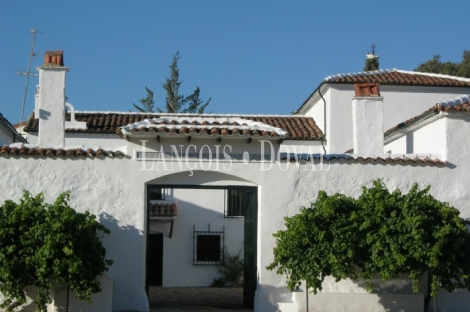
pixel 251 269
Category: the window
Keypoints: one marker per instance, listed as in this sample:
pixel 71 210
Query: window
pixel 207 247
pixel 156 193
pixel 237 202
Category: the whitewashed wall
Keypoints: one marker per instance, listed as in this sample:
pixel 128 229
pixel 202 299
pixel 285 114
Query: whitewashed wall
pixel 426 137
pixel 81 139
pixel 115 191
pixel 398 145
pixel 400 104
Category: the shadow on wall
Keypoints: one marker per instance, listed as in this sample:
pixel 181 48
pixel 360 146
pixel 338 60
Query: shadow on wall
pixel 124 239
pixel 125 246
pixel 348 295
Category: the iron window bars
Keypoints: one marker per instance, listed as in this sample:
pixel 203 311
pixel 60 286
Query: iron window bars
pixel 208 247
pixel 236 202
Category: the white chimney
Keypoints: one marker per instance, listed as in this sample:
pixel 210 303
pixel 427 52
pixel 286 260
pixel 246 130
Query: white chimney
pixel 368 120
pixel 51 100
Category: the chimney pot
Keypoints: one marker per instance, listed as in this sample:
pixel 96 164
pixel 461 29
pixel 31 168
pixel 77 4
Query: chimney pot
pixel 54 58
pixel 366 89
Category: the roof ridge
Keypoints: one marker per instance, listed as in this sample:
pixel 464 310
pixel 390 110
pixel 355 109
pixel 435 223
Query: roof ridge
pixel 363 73
pixel 386 71
pixel 433 75
pixel 187 114
pixel 246 125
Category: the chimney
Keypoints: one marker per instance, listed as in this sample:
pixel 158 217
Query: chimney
pixel 368 115
pixel 51 100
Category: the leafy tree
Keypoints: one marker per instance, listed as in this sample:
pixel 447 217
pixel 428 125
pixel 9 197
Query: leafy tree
pixel 435 65
pixel 381 233
pixel 175 102
pixel 47 245
pixel 147 102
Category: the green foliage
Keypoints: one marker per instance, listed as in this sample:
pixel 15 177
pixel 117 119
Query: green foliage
pixel 231 270
pixel 195 104
pixel 175 102
pixel 381 233
pixel 435 65
pixel 147 102
pixel 47 245
pixel 372 64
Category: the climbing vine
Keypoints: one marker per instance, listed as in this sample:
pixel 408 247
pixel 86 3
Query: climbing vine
pixel 381 233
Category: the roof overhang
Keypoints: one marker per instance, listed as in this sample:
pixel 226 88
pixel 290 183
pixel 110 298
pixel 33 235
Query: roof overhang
pixel 202 127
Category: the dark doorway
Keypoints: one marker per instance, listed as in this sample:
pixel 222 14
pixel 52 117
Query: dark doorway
pixel 155 259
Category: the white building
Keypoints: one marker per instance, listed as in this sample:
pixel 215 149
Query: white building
pixel 406 94
pixel 171 183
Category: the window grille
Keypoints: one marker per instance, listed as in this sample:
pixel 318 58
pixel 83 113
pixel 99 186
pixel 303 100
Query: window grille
pixel 237 200
pixel 208 247
pixel 156 193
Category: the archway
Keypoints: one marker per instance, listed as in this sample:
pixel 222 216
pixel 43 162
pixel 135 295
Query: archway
pixel 178 203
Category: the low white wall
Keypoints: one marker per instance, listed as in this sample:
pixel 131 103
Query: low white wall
pixel 346 302
pixel 458 300
pixel 100 302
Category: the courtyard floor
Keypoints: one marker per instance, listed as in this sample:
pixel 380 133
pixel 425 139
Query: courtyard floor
pixel 200 299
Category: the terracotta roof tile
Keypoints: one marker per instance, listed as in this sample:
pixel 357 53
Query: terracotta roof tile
pixel 399 77
pixel 163 210
pixel 386 159
pixel 24 151
pixel 297 127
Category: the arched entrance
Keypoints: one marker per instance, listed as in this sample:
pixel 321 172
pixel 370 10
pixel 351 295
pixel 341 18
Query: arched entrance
pixel 229 207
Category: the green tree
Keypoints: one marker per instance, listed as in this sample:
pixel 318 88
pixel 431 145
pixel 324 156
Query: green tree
pixel 175 102
pixel 147 102
pixel 372 63
pixel 195 104
pixel 47 245
pixel 382 233
pixel 372 60
pixel 435 66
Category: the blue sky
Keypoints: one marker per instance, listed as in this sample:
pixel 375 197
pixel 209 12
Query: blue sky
pixel 250 56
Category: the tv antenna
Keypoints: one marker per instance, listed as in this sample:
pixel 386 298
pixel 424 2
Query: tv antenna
pixel 28 73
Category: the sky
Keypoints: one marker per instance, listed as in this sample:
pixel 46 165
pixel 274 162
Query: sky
pixel 248 56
